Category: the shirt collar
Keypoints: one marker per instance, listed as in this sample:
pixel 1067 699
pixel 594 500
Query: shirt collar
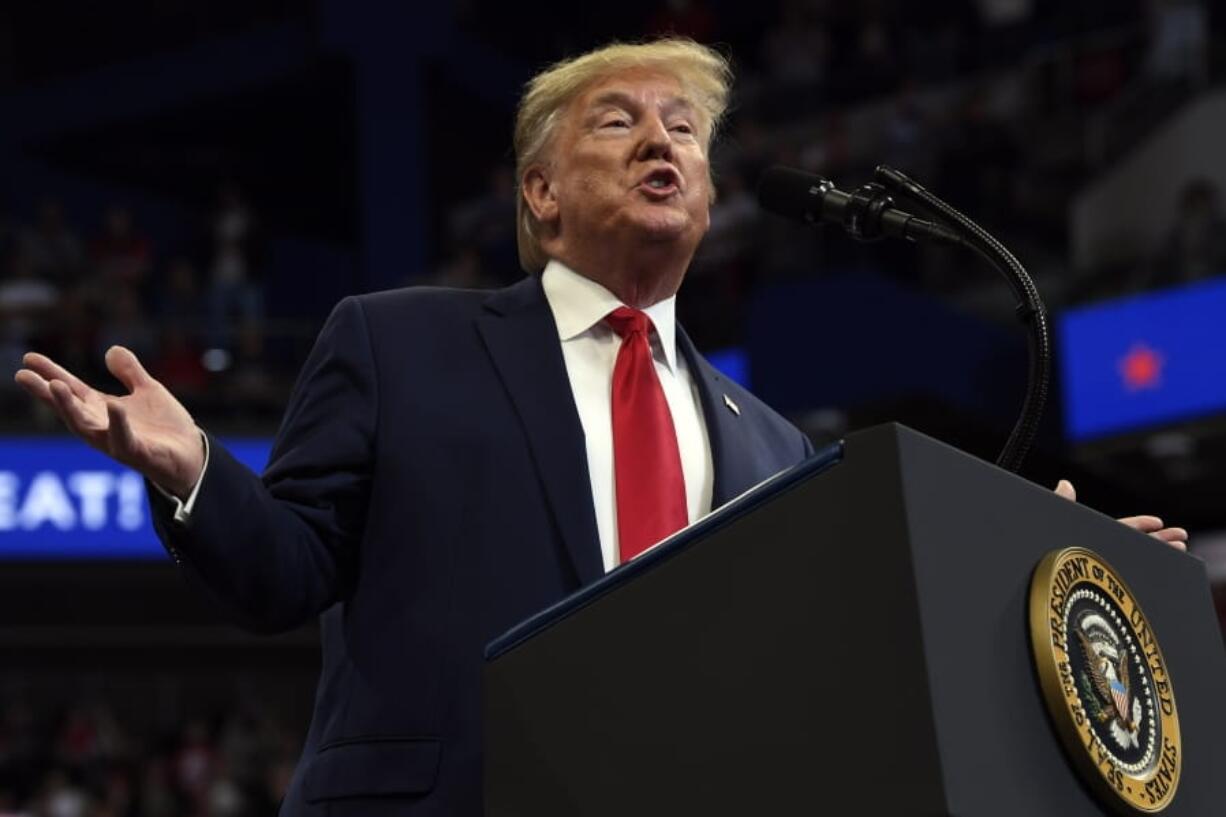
pixel 579 304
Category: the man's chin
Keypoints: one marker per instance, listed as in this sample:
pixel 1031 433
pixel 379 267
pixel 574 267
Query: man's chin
pixel 661 228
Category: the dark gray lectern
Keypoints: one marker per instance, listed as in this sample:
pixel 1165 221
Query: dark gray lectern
pixel 849 638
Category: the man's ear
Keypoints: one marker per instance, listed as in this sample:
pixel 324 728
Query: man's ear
pixel 539 195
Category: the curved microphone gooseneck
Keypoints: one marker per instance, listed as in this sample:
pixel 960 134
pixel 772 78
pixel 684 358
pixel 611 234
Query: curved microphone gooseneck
pixel 1029 307
pixel 869 214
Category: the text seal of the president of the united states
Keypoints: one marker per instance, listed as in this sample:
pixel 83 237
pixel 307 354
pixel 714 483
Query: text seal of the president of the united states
pixel 1105 680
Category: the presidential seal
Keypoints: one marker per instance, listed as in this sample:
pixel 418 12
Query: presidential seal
pixel 1105 681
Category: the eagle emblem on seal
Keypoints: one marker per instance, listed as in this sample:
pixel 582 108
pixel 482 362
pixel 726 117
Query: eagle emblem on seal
pixel 1109 681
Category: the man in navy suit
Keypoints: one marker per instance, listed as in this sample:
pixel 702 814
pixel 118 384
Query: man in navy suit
pixel 451 462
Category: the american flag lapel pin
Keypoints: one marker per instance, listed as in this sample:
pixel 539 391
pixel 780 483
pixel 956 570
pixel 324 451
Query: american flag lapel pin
pixel 733 407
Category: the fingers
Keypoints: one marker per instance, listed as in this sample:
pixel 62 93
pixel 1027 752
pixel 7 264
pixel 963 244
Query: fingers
pixel 118 428
pixel 58 396
pixel 71 410
pixel 35 385
pixel 48 369
pixel 126 368
pixel 1145 524
pixel 1065 489
pixel 1175 537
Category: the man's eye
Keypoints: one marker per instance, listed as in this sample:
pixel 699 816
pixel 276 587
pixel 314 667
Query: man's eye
pixel 616 123
pixel 683 127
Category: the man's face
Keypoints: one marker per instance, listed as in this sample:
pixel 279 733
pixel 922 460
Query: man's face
pixel 629 164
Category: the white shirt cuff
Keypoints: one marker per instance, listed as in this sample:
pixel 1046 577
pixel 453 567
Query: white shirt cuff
pixel 183 510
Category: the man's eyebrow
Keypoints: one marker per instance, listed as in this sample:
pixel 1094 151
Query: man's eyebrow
pixel 622 99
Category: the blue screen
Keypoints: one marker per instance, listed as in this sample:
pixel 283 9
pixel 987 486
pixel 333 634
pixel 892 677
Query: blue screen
pixel 1144 361
pixel 733 363
pixel 60 499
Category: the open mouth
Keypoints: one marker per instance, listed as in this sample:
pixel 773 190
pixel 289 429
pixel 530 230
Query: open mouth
pixel 661 183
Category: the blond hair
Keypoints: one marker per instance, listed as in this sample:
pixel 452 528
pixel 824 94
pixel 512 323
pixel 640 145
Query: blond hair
pixel 704 74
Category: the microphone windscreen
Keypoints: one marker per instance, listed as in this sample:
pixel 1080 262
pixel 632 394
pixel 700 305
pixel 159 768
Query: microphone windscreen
pixel 788 192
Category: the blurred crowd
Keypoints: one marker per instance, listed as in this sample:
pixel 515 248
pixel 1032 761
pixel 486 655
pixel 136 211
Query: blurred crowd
pixel 999 106
pixel 194 315
pixel 86 761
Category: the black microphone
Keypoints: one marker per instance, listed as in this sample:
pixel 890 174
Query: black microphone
pixel 867 213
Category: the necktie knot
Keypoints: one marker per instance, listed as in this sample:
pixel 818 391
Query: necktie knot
pixel 626 321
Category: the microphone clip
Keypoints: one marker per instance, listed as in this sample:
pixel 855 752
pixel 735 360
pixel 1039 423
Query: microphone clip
pixel 862 217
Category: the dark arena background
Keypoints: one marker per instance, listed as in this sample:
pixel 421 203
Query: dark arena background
pixel 201 182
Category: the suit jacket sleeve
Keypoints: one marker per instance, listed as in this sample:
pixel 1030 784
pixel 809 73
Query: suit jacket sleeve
pixel 278 550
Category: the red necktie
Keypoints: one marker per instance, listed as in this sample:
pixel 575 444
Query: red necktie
pixel 646 461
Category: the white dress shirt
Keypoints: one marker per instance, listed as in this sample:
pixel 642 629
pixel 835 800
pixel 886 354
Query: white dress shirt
pixel 589 348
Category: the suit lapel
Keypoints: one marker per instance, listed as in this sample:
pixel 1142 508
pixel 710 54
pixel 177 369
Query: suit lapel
pixel 522 340
pixel 724 429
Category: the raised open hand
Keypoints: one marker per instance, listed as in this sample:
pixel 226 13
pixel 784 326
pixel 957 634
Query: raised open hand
pixel 1175 537
pixel 147 429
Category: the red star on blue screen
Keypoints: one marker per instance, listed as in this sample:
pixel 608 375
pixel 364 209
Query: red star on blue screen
pixel 1141 368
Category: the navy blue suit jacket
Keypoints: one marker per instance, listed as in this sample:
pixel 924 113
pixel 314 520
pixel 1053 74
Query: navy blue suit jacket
pixel 427 490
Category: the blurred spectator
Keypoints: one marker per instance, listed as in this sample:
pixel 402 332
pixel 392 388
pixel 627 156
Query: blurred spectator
pixel 77 743
pixel 62 797
pixel 979 160
pixel 734 215
pixel 125 324
pixel 224 797
pixel 1004 28
pixel 194 762
pixel 873 67
pixel 249 383
pixel 796 49
pixel 908 143
pixel 796 52
pixel 244 749
pixel 74 342
pixel 829 152
pixel 26 303
pixel 157 795
pixel 233 219
pixel 24 295
pixel 1003 13
pixel 178 363
pixel 747 151
pixel 1195 247
pixel 1101 73
pixel 487 224
pixel 51 247
pixel 118 798
pixel 1179 38
pixel 179 301
pixel 464 270
pixel 725 269
pixel 936 37
pixel 277 780
pixel 122 255
pixel 235 286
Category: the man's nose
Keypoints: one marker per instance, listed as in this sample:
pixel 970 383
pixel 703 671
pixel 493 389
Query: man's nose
pixel 655 142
